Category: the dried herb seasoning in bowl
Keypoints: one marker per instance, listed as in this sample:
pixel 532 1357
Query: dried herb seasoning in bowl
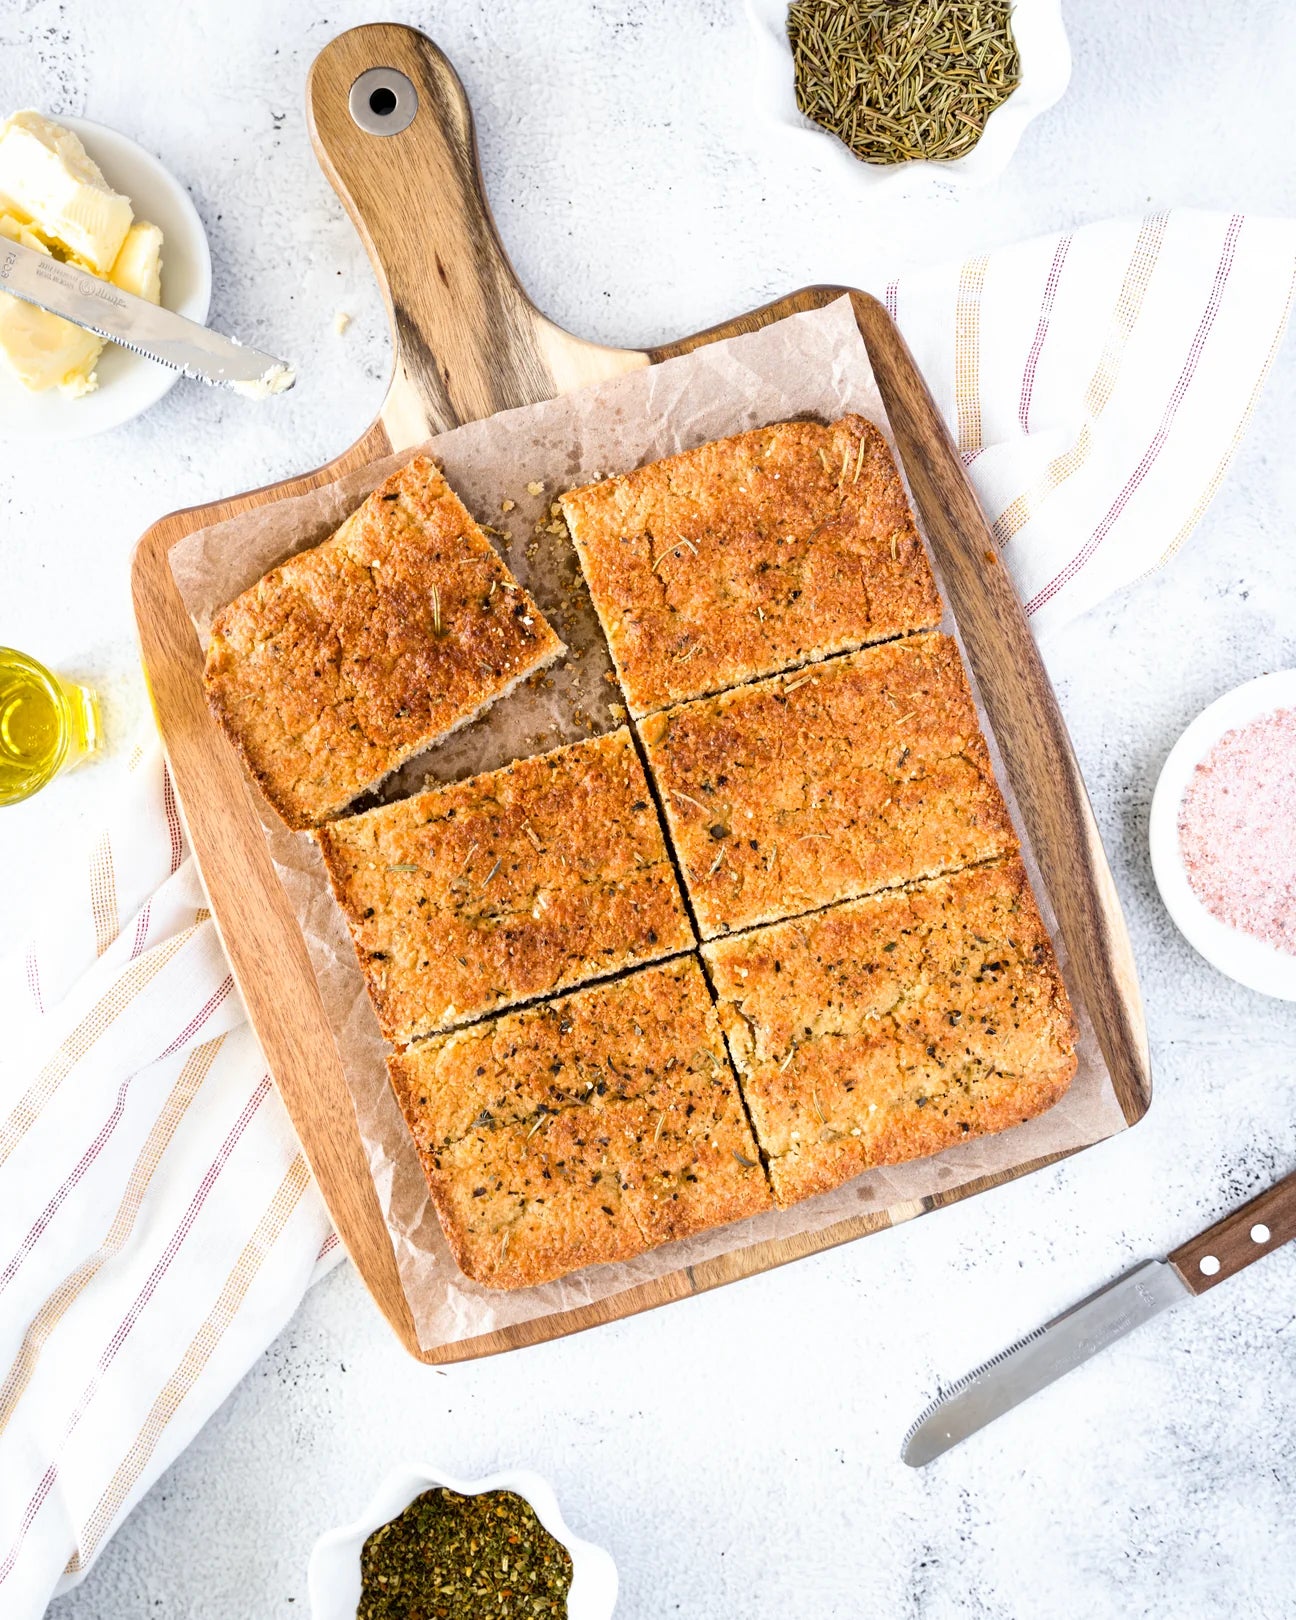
pixel 429 1546
pixel 891 93
pixel 453 1557
pixel 903 80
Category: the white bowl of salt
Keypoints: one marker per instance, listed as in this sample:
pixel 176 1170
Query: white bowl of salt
pixel 1222 834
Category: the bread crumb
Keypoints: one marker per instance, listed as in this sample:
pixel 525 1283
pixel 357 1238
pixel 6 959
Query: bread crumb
pixel 341 321
pixel 534 488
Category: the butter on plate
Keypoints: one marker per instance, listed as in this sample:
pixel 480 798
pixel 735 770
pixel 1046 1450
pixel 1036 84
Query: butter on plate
pixel 54 198
pixel 138 266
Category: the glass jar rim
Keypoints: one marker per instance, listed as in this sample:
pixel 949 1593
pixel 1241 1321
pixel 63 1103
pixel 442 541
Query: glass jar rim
pixel 13 657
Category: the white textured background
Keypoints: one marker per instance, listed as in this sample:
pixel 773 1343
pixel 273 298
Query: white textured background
pixel 738 1453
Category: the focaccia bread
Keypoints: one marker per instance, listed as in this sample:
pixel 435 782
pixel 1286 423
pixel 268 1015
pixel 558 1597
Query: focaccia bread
pixel 506 887
pixel 891 1027
pixel 352 657
pixel 857 774
pixel 582 1130
pixel 750 555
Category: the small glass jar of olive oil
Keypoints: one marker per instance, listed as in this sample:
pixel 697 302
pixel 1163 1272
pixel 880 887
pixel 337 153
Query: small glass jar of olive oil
pixel 46 725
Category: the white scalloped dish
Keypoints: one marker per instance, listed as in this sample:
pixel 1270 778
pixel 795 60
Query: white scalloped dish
pixel 333 1578
pixel 1045 71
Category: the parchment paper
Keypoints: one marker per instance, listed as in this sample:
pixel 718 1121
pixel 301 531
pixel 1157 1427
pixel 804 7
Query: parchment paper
pixel 813 364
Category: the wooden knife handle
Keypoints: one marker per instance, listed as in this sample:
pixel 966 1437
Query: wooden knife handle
pixel 1248 1233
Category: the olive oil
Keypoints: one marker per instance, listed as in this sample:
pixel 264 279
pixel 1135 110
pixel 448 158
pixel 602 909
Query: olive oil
pixel 46 725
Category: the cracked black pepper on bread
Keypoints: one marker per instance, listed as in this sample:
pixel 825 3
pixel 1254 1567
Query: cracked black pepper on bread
pixel 509 886
pixel 852 775
pixel 582 1130
pixel 891 1027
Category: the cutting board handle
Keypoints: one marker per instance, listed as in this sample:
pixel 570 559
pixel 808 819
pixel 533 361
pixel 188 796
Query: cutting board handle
pixel 468 340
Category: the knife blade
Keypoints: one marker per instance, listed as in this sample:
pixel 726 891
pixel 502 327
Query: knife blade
pixel 145 328
pixel 1030 1365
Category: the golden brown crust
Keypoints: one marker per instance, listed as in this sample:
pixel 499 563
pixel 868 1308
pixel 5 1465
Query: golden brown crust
pixel 889 1028
pixel 857 774
pixel 512 885
pixel 582 1130
pixel 350 658
pixel 750 555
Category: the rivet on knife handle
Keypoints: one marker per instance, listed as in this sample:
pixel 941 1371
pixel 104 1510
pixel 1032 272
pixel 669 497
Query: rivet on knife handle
pixel 1248 1233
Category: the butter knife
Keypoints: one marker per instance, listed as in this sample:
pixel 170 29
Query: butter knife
pixel 1028 1366
pixel 148 329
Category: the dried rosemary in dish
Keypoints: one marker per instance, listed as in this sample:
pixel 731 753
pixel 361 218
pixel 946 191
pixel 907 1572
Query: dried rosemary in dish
pixel 903 79
pixel 451 1557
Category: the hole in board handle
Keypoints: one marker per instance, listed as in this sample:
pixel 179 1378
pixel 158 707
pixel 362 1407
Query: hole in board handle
pixel 1208 1265
pixel 1260 1233
pixel 383 101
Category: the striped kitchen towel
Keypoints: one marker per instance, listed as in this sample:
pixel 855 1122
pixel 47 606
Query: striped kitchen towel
pixel 158 1224
pixel 157 1221
pixel 1097 384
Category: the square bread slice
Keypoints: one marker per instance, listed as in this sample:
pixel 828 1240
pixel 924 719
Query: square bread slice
pixel 348 659
pixel 582 1130
pixel 857 774
pixel 506 887
pixel 750 555
pixel 889 1028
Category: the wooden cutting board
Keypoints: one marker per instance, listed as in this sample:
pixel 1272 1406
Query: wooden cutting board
pixel 468 342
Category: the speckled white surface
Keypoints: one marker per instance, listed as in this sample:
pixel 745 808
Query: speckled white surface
pixel 738 1453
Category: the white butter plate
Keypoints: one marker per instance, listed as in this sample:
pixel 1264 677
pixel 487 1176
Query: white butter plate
pixel 1045 72
pixel 1249 961
pixel 128 383
pixel 333 1578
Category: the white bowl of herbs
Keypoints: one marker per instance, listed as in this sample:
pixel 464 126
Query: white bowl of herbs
pixel 903 96
pixel 428 1542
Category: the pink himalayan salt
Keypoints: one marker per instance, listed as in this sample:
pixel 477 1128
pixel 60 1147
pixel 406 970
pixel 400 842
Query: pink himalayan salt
pixel 1237 829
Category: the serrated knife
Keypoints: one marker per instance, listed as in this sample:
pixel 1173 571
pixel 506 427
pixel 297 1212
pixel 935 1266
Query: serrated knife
pixel 1028 1366
pixel 148 329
